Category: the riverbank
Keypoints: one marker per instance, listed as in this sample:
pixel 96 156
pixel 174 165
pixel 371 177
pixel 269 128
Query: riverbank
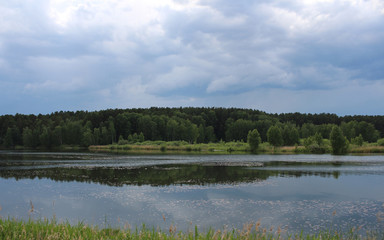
pixel 225 148
pixel 182 147
pixel 50 229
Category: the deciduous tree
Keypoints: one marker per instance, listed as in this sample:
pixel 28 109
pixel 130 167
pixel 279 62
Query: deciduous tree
pixel 275 138
pixel 338 141
pixel 254 140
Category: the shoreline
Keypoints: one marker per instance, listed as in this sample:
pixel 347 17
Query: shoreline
pixel 222 148
pixel 180 147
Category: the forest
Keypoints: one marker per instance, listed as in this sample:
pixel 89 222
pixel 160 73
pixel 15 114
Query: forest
pixel 190 124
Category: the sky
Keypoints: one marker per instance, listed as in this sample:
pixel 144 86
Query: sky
pixel 308 56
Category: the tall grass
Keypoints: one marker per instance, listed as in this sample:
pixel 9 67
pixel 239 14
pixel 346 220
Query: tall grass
pixel 237 147
pixel 50 229
pixel 175 146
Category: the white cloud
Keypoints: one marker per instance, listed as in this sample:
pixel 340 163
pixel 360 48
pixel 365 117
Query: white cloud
pixel 190 52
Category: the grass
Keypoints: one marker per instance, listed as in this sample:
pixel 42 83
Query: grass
pixel 50 229
pixel 204 148
pixel 175 147
pixel 367 149
pixel 237 147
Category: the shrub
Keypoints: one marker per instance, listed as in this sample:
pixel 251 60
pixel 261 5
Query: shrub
pixel 254 140
pixel 358 140
pixel 315 144
pixel 123 142
pixel 338 141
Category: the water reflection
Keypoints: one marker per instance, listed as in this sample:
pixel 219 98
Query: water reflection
pixel 300 192
pixel 112 170
pixel 162 175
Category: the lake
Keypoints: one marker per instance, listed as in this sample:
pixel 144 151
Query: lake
pixel 294 192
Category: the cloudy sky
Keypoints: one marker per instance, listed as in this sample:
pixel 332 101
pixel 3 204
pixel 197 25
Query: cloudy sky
pixel 309 56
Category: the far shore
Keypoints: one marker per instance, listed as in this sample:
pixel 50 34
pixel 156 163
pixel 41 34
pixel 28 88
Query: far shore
pixel 178 147
pixel 182 147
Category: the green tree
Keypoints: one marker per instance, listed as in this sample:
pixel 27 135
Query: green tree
pixel 239 130
pixel 201 134
pixel 97 136
pixel 8 139
pixel 141 137
pixel 349 129
pixel 31 137
pixel 263 126
pixel 324 130
pixel 358 140
pixel 105 136
pixel 339 143
pixel 318 139
pixel 254 140
pixel 123 126
pixel 172 129
pixel 161 126
pixel 274 136
pixel 72 132
pixel 122 141
pixel 368 131
pixel 307 130
pixel 210 134
pixel 290 135
pixel 147 127
pixel 111 129
pixel 12 137
pixel 57 136
pixel 28 137
pixel 45 137
pixel 88 138
pixel 314 144
pixel 192 132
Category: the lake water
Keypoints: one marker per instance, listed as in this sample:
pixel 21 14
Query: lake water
pixel 295 192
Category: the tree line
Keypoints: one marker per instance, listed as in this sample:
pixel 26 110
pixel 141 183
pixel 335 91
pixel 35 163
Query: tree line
pixel 194 125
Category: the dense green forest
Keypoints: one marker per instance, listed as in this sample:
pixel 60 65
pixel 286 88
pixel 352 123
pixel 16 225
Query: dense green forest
pixel 200 125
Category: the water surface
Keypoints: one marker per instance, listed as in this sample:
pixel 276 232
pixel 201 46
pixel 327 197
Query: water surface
pixel 297 192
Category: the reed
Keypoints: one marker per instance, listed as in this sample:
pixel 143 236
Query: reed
pixel 367 149
pixel 237 147
pixel 51 229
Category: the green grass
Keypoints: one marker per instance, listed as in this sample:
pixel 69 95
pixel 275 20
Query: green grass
pixel 238 147
pixel 176 146
pixel 366 148
pixel 50 229
pixel 203 148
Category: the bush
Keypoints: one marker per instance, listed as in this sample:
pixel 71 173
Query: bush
pixel 380 142
pixel 338 141
pixel 313 147
pixel 358 140
pixel 254 140
pixel 123 142
pixel 315 144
